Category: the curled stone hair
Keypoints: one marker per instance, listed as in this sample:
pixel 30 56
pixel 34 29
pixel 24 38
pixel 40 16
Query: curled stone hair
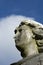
pixel 37 31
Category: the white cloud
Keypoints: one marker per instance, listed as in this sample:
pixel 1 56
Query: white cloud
pixel 8 51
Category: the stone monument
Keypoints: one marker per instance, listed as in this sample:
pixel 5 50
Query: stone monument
pixel 29 41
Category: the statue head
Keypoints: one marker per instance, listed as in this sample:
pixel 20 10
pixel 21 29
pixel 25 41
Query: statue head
pixel 26 34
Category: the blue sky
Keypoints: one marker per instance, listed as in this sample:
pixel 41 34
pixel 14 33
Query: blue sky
pixel 11 13
pixel 30 8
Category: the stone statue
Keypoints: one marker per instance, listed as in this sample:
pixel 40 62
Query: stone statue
pixel 29 41
pixel 29 38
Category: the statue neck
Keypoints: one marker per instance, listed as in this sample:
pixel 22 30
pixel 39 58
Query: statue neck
pixel 30 49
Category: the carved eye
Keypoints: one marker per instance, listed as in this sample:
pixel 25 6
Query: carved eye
pixel 15 31
pixel 20 30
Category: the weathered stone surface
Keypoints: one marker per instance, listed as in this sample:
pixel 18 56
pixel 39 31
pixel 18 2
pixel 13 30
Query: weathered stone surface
pixel 32 60
pixel 29 38
pixel 29 41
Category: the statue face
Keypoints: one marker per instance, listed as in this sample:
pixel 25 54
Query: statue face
pixel 23 34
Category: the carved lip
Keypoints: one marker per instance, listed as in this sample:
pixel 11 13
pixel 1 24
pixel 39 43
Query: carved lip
pixel 17 40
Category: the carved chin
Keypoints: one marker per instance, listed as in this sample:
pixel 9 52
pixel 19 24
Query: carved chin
pixel 19 48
